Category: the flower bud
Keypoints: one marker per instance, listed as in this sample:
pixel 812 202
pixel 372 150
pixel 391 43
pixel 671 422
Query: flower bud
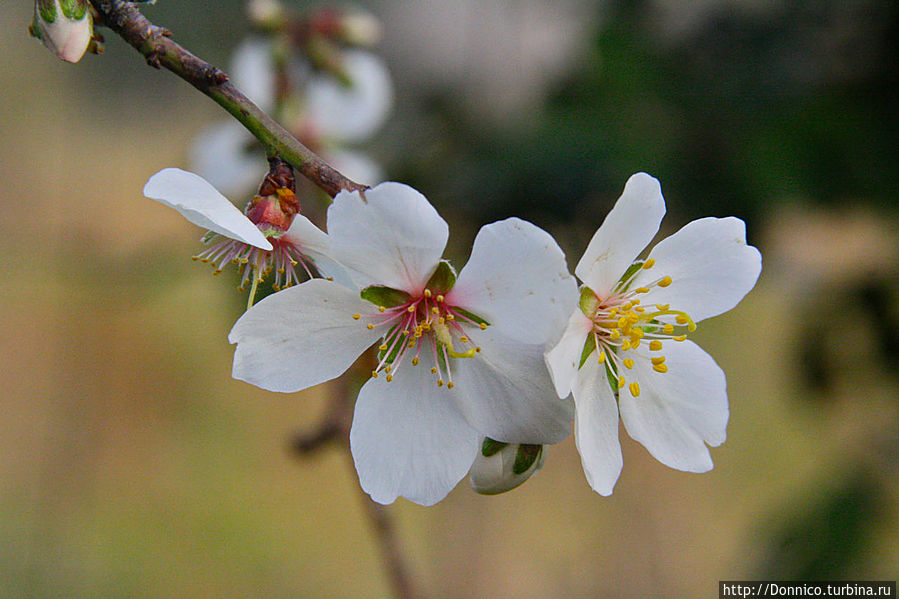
pixel 65 27
pixel 500 467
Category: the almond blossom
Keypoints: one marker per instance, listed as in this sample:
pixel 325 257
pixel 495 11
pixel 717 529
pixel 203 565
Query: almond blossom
pixel 458 358
pixel 625 350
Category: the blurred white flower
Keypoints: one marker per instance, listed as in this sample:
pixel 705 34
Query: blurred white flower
pixel 458 359
pixel 626 339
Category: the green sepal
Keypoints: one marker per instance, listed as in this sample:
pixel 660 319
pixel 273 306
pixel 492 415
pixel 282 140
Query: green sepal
pixel 472 317
pixel 624 281
pixel 397 347
pixel 589 348
pixel 385 296
pixel 525 458
pixel 443 279
pixel 491 447
pixel 588 302
pixel 73 9
pixel 46 9
pixel 613 378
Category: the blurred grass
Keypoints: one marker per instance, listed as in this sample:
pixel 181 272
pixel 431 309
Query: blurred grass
pixel 133 465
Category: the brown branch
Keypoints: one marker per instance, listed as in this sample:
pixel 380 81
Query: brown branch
pixel 156 45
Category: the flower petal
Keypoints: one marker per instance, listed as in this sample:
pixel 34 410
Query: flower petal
pixel 315 244
pixel 678 410
pixel 628 228
pixel 563 359
pixel 517 279
pixel 409 439
pixel 506 393
pixel 710 265
pixel 351 113
pixel 302 336
pixel 226 155
pixel 200 203
pixel 391 236
pixel 596 427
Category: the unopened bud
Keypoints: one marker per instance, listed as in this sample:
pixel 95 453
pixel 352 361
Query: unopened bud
pixel 500 467
pixel 65 27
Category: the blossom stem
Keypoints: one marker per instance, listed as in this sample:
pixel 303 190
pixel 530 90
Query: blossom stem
pixel 156 45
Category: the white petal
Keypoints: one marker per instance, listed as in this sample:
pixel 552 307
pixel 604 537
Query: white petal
pixel 628 228
pixel 506 393
pixel 392 236
pixel 710 265
pixel 678 410
pixel 596 427
pixel 315 245
pixel 301 336
pixel 251 71
pixel 563 359
pixel 225 155
pixel 351 113
pixel 409 439
pixel 200 203
pixel 517 279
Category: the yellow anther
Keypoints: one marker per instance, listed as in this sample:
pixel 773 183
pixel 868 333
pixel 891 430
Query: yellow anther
pixel 626 344
pixel 655 345
pixel 405 333
pixel 635 301
pixel 663 307
pixel 357 316
pixel 635 388
pixel 412 343
pixel 649 264
pixel 450 316
pixel 691 327
pixel 641 290
pixel 414 360
pixel 389 377
pixel 417 334
pixel 615 334
pixel 665 282
pixel 435 310
pixel 658 360
pixel 637 333
pixel 628 363
pixel 668 329
pixel 681 319
pixel 439 298
pixel 410 309
pixel 441 320
pixel 374 374
pixel 463 339
pixel 613 312
pixel 381 308
pixel 622 322
pixel 388 369
pixel 640 309
pixel 433 370
pixel 660 368
pixel 680 338
pixel 427 293
pixel 635 343
pixel 382 347
pixel 602 357
pixel 439 382
pixel 450 385
pixel 483 326
pixel 370 326
pixel 477 350
pixel 621 382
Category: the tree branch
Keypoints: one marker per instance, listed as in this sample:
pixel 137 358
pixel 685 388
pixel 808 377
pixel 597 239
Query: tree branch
pixel 156 45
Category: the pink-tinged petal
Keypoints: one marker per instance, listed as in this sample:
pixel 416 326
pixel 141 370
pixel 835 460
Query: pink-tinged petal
pixel 677 412
pixel 315 244
pixel 506 393
pixel 388 235
pixel 229 157
pixel 628 228
pixel 596 427
pixel 351 113
pixel 409 439
pixel 200 203
pixel 710 266
pixel 302 336
pixel 563 359
pixel 518 281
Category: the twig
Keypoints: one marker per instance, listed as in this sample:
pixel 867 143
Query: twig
pixel 156 45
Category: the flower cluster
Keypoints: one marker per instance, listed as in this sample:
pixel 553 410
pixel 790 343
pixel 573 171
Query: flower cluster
pixel 476 371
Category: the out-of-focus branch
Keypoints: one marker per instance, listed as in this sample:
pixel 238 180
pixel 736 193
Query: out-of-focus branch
pixel 156 45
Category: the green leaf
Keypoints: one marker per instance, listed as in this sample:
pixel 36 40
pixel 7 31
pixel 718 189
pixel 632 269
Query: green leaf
pixel 443 278
pixel 525 458
pixel 385 296
pixel 490 447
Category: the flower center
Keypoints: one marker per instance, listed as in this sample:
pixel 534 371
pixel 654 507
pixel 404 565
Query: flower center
pixel 621 324
pixel 283 258
pixel 414 325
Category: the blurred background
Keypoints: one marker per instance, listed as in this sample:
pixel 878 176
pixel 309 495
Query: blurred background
pixel 132 465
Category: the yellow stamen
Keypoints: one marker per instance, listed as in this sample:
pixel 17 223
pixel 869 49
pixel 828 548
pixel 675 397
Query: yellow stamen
pixel 357 316
pixel 668 329
pixel 663 307
pixel 463 339
pixel 381 308
pixel 439 298
pixel 681 319
pixel 655 345
pixel 389 378
pixel 433 370
pixel 626 344
pixel 410 309
pixel 658 360
pixel 641 290
pixel 382 347
pixel 635 388
pixel 665 282
pixel 427 293
pixel 435 310
pixel 680 338
pixel 621 382
pixel 439 382
pixel 602 357
pixel 370 326
pixel 374 374
pixel 388 369
pixel 483 326
pixel 649 264
pixel 615 334
pixel 660 368
pixel 414 361
pixel 628 363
